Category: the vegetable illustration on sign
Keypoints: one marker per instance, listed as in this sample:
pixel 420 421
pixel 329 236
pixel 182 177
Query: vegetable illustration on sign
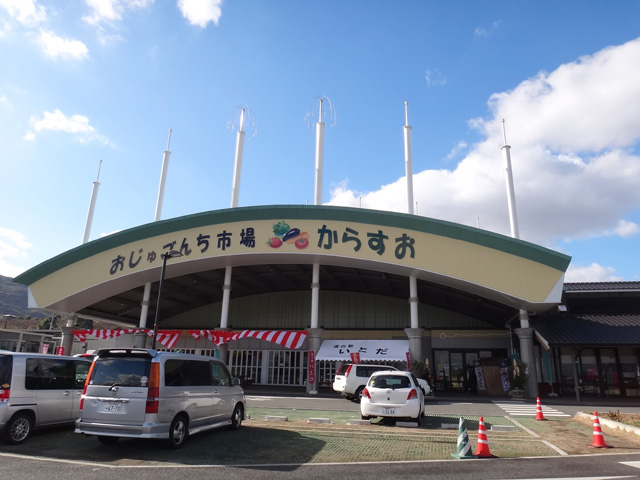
pixel 284 234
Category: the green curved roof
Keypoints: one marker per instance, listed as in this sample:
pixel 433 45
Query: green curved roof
pixel 441 228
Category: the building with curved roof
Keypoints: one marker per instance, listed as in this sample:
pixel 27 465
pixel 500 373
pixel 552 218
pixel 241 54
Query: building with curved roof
pixel 428 285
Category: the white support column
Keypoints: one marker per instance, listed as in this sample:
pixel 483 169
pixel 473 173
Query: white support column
pixel 413 281
pixel 525 335
pixel 315 334
pixel 315 293
pixel 226 293
pixel 67 335
pixel 413 301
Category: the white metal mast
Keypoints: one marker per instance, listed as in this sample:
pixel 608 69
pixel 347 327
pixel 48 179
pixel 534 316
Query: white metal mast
pixel 146 295
pixel 407 158
pixel 319 157
pixel 235 195
pixel 92 206
pixel 511 197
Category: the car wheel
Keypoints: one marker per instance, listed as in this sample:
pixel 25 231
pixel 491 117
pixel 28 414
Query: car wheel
pixel 236 417
pixel 358 395
pixel 365 417
pixel 18 428
pixel 418 419
pixel 178 432
pixel 105 440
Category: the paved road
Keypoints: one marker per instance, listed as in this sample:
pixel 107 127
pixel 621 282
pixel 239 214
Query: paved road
pixel 61 453
pixel 447 404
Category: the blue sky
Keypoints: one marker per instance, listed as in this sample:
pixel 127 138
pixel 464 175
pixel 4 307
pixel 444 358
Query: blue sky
pixel 84 81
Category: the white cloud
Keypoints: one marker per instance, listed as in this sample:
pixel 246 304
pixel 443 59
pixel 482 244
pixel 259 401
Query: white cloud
pixel 591 273
pixel 573 136
pixel 485 32
pixel 461 146
pixel 13 245
pixel 106 14
pixel 201 12
pixel 111 11
pixel 57 121
pixel 627 229
pixel 54 46
pixel 434 78
pixel 27 12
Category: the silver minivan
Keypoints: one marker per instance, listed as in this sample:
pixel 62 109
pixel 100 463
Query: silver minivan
pixel 143 393
pixel 38 390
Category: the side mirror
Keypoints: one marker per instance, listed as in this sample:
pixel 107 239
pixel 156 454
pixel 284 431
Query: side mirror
pixel 235 381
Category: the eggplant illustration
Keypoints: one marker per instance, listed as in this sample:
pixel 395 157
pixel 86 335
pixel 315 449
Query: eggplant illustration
pixel 291 235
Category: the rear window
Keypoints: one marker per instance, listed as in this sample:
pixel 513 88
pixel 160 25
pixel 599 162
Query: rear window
pixel 390 381
pixel 121 370
pixel 6 365
pixel 343 369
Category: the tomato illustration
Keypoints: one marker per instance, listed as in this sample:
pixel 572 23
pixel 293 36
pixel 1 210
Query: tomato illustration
pixel 302 242
pixel 275 242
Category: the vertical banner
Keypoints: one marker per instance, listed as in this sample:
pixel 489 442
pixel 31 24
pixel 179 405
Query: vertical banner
pixel 481 386
pixel 60 351
pixel 355 357
pixel 504 375
pixel 312 367
pixel 408 361
pixel 44 348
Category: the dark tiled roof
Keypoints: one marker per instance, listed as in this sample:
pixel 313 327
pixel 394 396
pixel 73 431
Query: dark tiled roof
pixel 561 330
pixel 600 286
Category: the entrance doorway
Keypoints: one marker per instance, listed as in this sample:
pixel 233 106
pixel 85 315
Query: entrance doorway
pixel 454 370
pixel 598 372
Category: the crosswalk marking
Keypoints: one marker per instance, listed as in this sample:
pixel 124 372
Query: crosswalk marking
pixel 522 409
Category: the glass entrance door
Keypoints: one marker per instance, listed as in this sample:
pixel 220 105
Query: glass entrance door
pixel 457 371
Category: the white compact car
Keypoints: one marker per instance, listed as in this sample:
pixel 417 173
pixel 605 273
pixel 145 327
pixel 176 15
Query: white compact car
pixel 393 394
pixel 351 378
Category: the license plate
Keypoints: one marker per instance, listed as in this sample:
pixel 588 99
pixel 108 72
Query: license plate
pixel 113 407
pixel 388 411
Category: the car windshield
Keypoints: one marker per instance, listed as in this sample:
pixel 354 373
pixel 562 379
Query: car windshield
pixel 390 381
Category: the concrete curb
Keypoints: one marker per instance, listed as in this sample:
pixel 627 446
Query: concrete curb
pixel 605 422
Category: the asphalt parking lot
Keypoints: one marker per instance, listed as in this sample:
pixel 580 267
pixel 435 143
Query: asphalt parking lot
pixel 297 429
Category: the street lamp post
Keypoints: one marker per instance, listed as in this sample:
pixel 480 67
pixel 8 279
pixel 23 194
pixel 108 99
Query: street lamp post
pixel 165 257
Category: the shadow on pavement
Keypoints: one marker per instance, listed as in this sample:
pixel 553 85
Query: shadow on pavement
pixel 246 446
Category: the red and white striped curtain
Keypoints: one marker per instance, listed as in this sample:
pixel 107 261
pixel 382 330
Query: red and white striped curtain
pixel 292 339
pixel 167 338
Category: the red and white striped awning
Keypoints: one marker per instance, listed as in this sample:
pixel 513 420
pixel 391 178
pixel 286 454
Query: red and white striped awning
pixel 167 338
pixel 292 339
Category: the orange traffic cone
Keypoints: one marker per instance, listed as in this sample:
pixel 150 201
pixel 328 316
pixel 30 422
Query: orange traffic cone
pixel 539 415
pixel 483 443
pixel 598 436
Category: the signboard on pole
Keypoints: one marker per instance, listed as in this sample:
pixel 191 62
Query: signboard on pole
pixel 312 367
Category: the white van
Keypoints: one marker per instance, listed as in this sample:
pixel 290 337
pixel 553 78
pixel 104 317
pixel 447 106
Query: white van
pixel 351 378
pixel 38 390
pixel 143 393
